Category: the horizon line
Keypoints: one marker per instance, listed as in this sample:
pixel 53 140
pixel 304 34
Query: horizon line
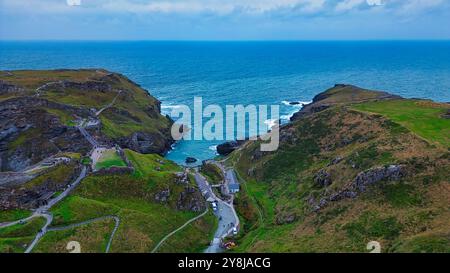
pixel 226 40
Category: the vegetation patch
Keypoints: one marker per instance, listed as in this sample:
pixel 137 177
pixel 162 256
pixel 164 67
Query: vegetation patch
pixel 13 215
pixel 401 194
pixel 421 117
pixel 30 228
pixel 110 158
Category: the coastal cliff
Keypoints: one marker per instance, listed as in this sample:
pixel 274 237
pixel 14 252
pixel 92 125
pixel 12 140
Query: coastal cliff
pixel 86 146
pixel 354 166
pixel 41 109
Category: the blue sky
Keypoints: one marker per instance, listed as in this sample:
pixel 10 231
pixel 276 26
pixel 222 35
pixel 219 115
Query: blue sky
pixel 224 19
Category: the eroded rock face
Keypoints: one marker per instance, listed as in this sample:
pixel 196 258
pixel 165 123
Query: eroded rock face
pixel 29 134
pixel 18 197
pixel 360 184
pixel 191 200
pixel 391 173
pixel 146 143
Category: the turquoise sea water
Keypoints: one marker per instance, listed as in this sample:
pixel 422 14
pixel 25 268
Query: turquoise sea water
pixel 248 72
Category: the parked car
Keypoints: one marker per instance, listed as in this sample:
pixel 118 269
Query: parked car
pixel 214 206
pixel 235 231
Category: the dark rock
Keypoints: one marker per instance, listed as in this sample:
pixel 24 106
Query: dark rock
pixel 228 147
pixel 360 184
pixel 146 143
pixel 336 161
pixel 323 178
pixel 392 173
pixel 162 196
pixel 294 103
pixel 191 160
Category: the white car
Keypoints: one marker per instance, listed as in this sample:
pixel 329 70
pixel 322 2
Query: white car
pixel 214 206
pixel 235 231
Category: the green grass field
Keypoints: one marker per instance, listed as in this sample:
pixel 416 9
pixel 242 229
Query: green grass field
pixel 424 118
pixel 109 159
pixel 93 238
pixel 14 239
pixel 13 215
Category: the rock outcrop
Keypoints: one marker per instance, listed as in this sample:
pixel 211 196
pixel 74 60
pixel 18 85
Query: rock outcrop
pixel 360 184
pixel 228 147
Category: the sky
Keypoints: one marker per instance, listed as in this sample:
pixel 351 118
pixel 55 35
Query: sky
pixel 224 19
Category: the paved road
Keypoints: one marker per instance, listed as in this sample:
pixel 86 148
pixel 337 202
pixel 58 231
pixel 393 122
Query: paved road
pixel 225 213
pixel 65 193
pixel 41 233
pixel 178 229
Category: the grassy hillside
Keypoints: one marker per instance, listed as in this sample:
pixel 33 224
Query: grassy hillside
pixel 424 118
pixel 14 239
pixel 131 197
pixel 327 189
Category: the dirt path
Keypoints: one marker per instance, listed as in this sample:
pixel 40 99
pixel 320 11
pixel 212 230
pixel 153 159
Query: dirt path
pixel 178 229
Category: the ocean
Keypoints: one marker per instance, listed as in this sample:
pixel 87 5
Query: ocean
pixel 248 72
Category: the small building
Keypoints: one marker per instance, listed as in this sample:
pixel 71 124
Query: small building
pixel 234 188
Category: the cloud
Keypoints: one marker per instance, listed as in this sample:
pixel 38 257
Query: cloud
pixel 220 7
pixel 73 2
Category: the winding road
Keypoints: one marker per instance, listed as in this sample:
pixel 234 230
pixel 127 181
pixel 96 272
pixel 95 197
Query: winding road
pixel 225 213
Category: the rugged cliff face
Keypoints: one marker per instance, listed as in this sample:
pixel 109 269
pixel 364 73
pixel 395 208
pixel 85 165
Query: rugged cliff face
pixel 354 166
pixel 87 144
pixel 40 111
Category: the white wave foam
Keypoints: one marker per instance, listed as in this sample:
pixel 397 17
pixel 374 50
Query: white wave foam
pixel 213 148
pixel 169 106
pixel 297 106
pixel 270 123
pixel 301 103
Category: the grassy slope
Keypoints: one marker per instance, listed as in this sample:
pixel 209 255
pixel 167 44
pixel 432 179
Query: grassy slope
pixel 93 238
pixel 13 239
pixel 143 222
pixel 408 216
pixel 421 117
pixel 212 173
pixel 110 158
pixel 13 215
